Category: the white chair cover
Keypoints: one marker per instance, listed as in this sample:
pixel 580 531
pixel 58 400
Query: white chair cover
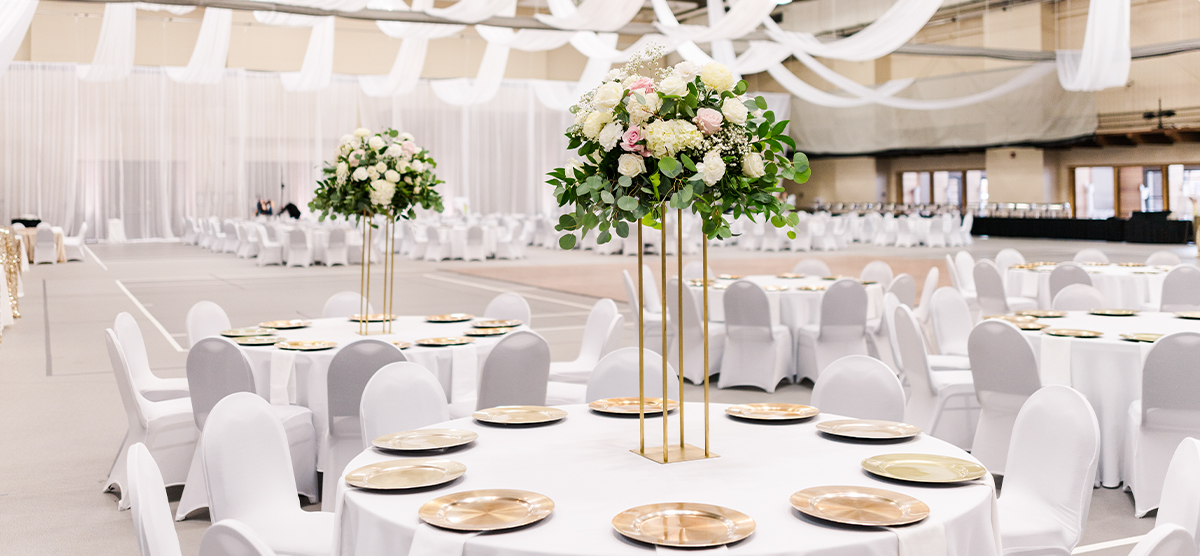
pixel 756 352
pixel 399 397
pixel 269 250
pixel 966 268
pixel 1066 274
pixel 943 403
pixel 205 319
pixel 74 245
pixel 952 323
pixel 1005 259
pixel 1165 540
pixel 246 461
pixel 1005 372
pixel 601 335
pixel 924 311
pixel 153 388
pixel 1078 297
pixel 344 305
pixel 694 270
pixel 990 291
pixel 151 511
pixel 299 252
pixel 435 249
pixel 841 331
pixel 509 305
pixel 230 244
pixel 651 321
pixel 515 373
pixel 473 251
pixel 812 267
pixel 230 537
pixel 905 288
pixel 336 250
pixel 1090 255
pixel 1050 472
pixel 1163 258
pixel 1180 504
pixel 860 387
pixel 45 250
pixel 877 271
pixel 616 376
pixel 1181 289
pixel 693 335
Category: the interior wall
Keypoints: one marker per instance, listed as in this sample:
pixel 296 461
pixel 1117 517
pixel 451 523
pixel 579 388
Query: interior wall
pixel 851 179
pixel 1016 175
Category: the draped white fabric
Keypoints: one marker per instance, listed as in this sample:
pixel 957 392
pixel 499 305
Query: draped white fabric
pixel 528 40
pixel 687 49
pixel 317 69
pixel 15 16
pixel 594 15
pixel 604 45
pixel 806 92
pixel 722 49
pixel 169 8
pixel 474 11
pixel 561 95
pixel 1105 58
pixel 113 59
pixel 462 91
pixel 410 60
pixel 899 24
pixel 207 64
pixel 743 18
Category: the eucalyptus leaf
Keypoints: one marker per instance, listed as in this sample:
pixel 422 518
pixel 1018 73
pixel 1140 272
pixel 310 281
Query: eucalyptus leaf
pixel 567 242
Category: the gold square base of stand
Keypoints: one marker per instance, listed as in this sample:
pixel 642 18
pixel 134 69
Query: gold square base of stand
pixel 675 454
pixel 373 333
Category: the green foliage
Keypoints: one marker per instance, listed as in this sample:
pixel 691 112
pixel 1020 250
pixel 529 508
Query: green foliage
pixel 349 195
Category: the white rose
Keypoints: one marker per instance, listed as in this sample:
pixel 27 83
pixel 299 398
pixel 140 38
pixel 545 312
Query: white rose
pixel 713 168
pixel 406 136
pixel 753 166
pixel 372 173
pixel 418 166
pixel 362 132
pixel 360 174
pixel 346 139
pixel 611 135
pixel 613 75
pixel 596 122
pixel 717 76
pixel 673 86
pixel 639 113
pixel 608 95
pixel 376 142
pixel 402 166
pixel 392 176
pixel 687 70
pixel 381 167
pixel 382 192
pixel 734 111
pixel 631 165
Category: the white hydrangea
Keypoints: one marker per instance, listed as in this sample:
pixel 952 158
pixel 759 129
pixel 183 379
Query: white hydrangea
pixel 382 192
pixel 687 70
pixel 667 137
pixel 639 113
pixel 611 135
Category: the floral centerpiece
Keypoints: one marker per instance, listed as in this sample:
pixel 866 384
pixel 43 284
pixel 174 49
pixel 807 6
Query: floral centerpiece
pixel 687 136
pixel 377 173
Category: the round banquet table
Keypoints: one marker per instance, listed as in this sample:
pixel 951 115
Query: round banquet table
pixel 1124 287
pixel 1108 370
pixel 584 465
pixel 791 307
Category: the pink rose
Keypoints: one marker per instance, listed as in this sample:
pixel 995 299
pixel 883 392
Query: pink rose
pixel 643 84
pixel 412 148
pixel 709 120
pixel 631 138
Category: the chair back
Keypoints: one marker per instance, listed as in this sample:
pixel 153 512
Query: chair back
pixel 343 305
pixel 231 537
pixel 919 410
pixel 966 267
pixel 859 387
pixel 812 267
pixel 905 288
pixel 598 330
pixel 747 311
pixel 475 235
pixel 1008 257
pixel 337 237
pixel 616 376
pixel 955 276
pixel 433 236
pixel 152 520
pixel 952 321
pixel 18 226
pixel 229 229
pixel 990 289
pixel 695 270
pixel 350 370
pixel 1163 258
pixel 1181 289
pixel 653 300
pixel 297 239
pixel 631 292
pixel 131 398
pixel 509 305
pixel 82 234
pixel 45 235
pixel 516 372
pixel 216 368
pixel 878 272
pixel 1066 274
pixel 1180 502
pixel 1090 255
pixel 844 310
pixel 1165 540
pixel 129 336
pixel 1078 297
pixel 205 319
pixel 401 396
pixel 1002 362
pixel 931 285
pixel 246 461
pixel 1170 385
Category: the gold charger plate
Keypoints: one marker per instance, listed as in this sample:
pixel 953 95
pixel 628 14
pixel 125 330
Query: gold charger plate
pixel 1194 315
pixel 1042 313
pixel 1131 265
pixel 486 332
pixel 424 439
pixel 285 324
pixel 730 276
pixel 700 282
pixel 774 288
pixel 684 524
pixel 373 317
pixel 1113 312
pixel 306 345
pixel 868 429
pixel 837 277
pixel 507 323
pixel 855 505
pixel 923 468
pixel 1147 272
pixel 404 474
pixel 720 286
pixel 243 332
pixel 811 288
pixel 258 340
pixel 631 406
pixel 486 510
pixel 1015 319
pixel 402 345
pixel 789 275
pixel 1072 333
pixel 1031 325
pixel 772 411
pixel 1094 263
pixel 519 415
pixel 451 317
pixel 443 342
pixel 1147 337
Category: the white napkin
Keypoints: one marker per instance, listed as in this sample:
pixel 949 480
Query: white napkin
pixel 1055 361
pixel 723 549
pixel 283 362
pixel 926 538
pixel 464 372
pixel 431 541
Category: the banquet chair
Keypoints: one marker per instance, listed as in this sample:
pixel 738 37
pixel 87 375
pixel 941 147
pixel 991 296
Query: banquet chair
pixel 1165 540
pixel 771 239
pixel 859 387
pixel 904 232
pixel 757 352
pixel 1090 255
pixel 299 250
pixel 877 271
pixel 253 243
pixel 230 537
pixel 695 271
pixel 269 251
pixel 230 245
pixel 349 371
pixel 473 251
pixel 45 250
pixel 190 235
pixel 133 346
pixel 517 372
pixel 905 288
pixel 246 462
pixel 204 237
pixel 931 393
pixel 812 267
pixel 601 335
pixel 841 331
pixel 822 236
pixel 616 376
pixel 993 300
pixel 509 305
pixel 152 523
pixel 1005 260
pixel 1049 473
pixel 73 245
pixel 508 244
pixel 693 334
pixel 751 234
pixel 399 397
pixel 1005 372
pixel 803 241
pixel 435 249
pixel 1078 297
pixel 963 231
pixel 1180 502
pixel 923 311
pixel 1066 274
pixel 1180 289
pixel 344 305
pixel 1162 258
pixel 1168 412
pixel 651 320
pixel 164 427
pixel 217 368
pixel 242 250
pixel 205 319
pixel 956 282
pixel 629 245
pixel 965 264
pixel 217 242
pixel 337 252
pixel 939 228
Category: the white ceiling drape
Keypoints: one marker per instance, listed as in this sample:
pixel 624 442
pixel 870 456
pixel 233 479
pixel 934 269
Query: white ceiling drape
pixel 410 60
pixel 317 68
pixel 1105 58
pixel 207 64
pixel 15 16
pixel 687 49
pixel 591 15
pixel 898 25
pixel 741 19
pixel 474 11
pixel 113 59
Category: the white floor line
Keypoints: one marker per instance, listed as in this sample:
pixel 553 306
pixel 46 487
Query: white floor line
pixel 1107 544
pixel 94 257
pixel 153 320
pixel 502 290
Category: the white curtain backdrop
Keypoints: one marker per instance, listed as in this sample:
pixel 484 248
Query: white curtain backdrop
pixel 207 64
pixel 410 60
pixel 899 24
pixel 1105 58
pixel 15 16
pixel 113 59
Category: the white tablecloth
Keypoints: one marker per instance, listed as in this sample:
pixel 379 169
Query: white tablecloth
pixel 1108 371
pixel 584 465
pixel 791 307
pixel 1123 287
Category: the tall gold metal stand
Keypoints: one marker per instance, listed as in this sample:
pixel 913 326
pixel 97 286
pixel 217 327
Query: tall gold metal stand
pixel 389 276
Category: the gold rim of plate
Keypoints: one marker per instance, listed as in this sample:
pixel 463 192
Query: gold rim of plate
pixel 1042 313
pixel 684 524
pixel 285 324
pixel 1031 325
pixel 856 505
pixel 836 277
pixel 868 429
pixel 1194 315
pixel 306 345
pixel 506 323
pixel 923 468
pixel 700 282
pixel 243 332
pixel 486 510
pixel 424 439
pixel 1148 337
pixel 258 340
pixel 631 406
pixel 772 411
pixel 486 332
pixel 1113 312
pixel 789 275
pixel 404 474
pixel 373 317
pixel 1094 263
pixel 1015 319
pixel 811 288
pixel 731 276
pixel 720 286
pixel 402 345
pixel 774 288
pixel 1131 265
pixel 519 415
pixel 450 317
pixel 1072 333
pixel 444 342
